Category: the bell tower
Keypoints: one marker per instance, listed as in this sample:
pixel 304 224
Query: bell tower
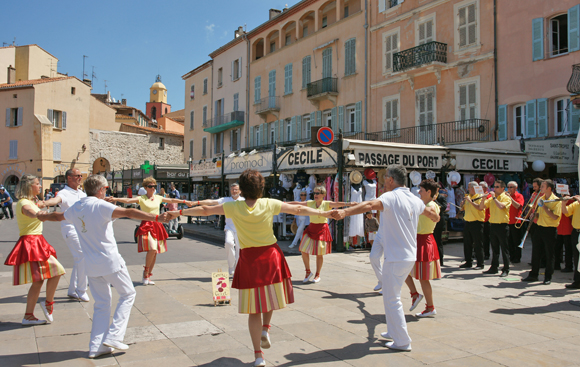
pixel 157 105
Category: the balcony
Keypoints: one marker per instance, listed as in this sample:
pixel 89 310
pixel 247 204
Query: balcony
pixel 225 122
pixel 326 88
pixel 444 133
pixel 431 53
pixel 268 105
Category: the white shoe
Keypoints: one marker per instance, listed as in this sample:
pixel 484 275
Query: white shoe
pixel 404 348
pixel 33 322
pixel 426 313
pixel 378 287
pixel 381 292
pixel 47 314
pixel 116 344
pixel 74 296
pixel 416 303
pixel 101 351
pixel 308 278
pixel 83 297
pixel 260 362
pixel 150 282
pixel 386 335
pixel 292 246
pixel 316 280
pixel 145 281
pixel 265 342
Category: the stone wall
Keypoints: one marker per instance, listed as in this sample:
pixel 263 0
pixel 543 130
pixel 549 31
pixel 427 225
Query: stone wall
pixel 123 149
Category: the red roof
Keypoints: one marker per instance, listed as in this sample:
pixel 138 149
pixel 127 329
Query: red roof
pixel 30 83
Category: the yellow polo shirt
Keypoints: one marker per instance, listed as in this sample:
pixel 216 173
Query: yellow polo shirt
pixel 497 215
pixel 426 225
pixel 555 207
pixel 254 225
pixel 472 214
pixel 576 218
pixel 27 225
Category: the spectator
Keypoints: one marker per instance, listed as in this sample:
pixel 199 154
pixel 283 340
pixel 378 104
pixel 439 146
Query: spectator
pixel 6 202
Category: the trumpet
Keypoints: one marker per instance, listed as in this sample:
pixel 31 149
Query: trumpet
pixel 541 202
pixel 527 215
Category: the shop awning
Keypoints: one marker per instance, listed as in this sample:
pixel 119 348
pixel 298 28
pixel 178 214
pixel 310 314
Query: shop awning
pixel 223 127
pixel 235 176
pixel 487 160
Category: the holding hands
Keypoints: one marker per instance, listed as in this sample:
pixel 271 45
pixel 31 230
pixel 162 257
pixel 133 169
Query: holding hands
pixel 164 218
pixel 338 214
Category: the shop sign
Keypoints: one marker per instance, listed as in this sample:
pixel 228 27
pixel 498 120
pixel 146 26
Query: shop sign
pixel 307 158
pixel 207 168
pixel 261 162
pixel 559 151
pixel 365 157
pixel 479 162
pixel 174 174
pixel 118 175
pixel 137 174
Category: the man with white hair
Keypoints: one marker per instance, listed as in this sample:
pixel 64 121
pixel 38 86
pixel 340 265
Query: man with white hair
pixel 473 231
pixel 515 229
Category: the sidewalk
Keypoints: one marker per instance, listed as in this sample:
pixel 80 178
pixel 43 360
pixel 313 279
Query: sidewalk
pixel 481 321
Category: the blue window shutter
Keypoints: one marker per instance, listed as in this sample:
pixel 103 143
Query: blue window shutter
pixel 257 82
pixel 294 134
pixel 531 119
pixel 537 39
pixel 276 131
pixel 318 118
pixel 333 120
pixel 21 117
pixel 542 117
pixel 290 79
pixel 358 116
pixel 574 28
pixel 252 134
pixel 341 118
pixel 502 122
pixel 574 119
pixel 298 127
pixel 8 117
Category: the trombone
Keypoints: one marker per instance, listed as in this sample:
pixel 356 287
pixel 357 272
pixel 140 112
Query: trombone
pixel 527 216
pixel 541 202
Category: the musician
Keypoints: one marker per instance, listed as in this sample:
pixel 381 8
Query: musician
pixel 545 233
pixel 473 231
pixel 573 210
pixel 536 183
pixel 515 226
pixel 486 224
pixel 564 241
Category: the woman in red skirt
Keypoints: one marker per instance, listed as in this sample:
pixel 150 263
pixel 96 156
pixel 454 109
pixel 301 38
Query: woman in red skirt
pixel 33 259
pixel 262 275
pixel 427 266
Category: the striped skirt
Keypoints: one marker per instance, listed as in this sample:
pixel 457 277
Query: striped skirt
pixel 314 247
pixel 426 270
pixel 34 271
pixel 148 243
pixel 266 298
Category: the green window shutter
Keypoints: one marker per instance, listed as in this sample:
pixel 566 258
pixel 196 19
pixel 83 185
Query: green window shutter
pixel 318 118
pixel 382 5
pixel 358 116
pixel 21 117
pixel 531 119
pixel 252 135
pixel 502 122
pixel 294 131
pixel 537 39
pixel 542 117
pixel 349 59
pixel 8 117
pixel 257 86
pixel 305 72
pixel 276 131
pixel 574 119
pixel 574 28
pixel 312 123
pixel 333 120
pixel 298 127
pixel 341 118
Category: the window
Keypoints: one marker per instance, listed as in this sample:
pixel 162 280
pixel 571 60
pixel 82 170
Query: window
pixel 288 39
pixel 306 62
pixel 391 114
pixel 288 129
pixel 350 119
pixel 327 63
pixel 350 57
pixel 425 110
pixel 203 147
pixel 306 126
pixel 559 30
pixel 73 90
pixel 324 22
pixel 234 139
pixel 205 86
pixel 519 120
pixel 161 143
pixel 191 148
pixel 56 151
pixel 272 132
pixel 153 113
pixel 467 27
pixel 305 31
pixel 236 68
pixel 192 93
pixel 288 79
pixel 204 116
pixel 272 46
pixel 14 117
pixel 393 3
pixel 425 32
pixel 257 141
pixel 166 111
pixel 236 101
pixel 220 77
pixel 257 87
pixel 58 119
pixel 327 118
pixel 561 107
pixel 468 101
pixel 390 47
pixel 346 12
pixel 13 154
pixel 191 114
pixel 217 142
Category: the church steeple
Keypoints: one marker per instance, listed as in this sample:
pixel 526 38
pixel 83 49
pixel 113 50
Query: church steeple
pixel 158 92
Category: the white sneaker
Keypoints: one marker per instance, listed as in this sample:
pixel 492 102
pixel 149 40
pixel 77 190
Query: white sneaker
pixel 150 282
pixel 308 278
pixel 292 246
pixel 404 348
pixel 265 342
pixel 426 313
pixel 47 314
pixel 33 322
pixel 101 351
pixel 116 344
pixel 260 362
pixel 378 287
pixel 83 296
pixel 416 303
pixel 145 281
pixel 386 335
pixel 73 295
pixel 316 280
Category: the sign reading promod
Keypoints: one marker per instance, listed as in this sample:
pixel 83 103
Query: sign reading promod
pixel 406 158
pixel 261 162
pixel 307 158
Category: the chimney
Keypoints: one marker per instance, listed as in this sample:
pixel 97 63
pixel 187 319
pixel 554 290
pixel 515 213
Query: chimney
pixel 274 13
pixel 88 82
pixel 109 100
pixel 239 32
pixel 11 75
pixel 124 101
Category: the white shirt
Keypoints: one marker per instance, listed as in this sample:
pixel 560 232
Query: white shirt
pixel 92 219
pixel 68 197
pixel 398 227
pixel 229 222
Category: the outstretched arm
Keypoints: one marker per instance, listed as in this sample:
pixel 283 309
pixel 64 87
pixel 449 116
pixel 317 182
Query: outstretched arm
pixel 302 210
pixel 122 200
pixel 51 217
pixel 179 201
pixel 304 203
pixel 365 206
pixel 52 202
pixel 340 204
pixel 139 215
pixel 202 211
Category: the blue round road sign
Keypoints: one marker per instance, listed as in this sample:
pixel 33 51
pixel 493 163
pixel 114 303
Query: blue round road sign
pixel 325 136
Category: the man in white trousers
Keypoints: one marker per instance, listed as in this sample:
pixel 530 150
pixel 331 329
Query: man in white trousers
pixel 375 256
pixel 93 219
pixel 232 243
pixel 66 197
pixel 400 211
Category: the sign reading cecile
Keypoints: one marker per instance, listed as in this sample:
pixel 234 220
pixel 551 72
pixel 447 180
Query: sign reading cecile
pixel 307 158
pixel 484 162
pixel 430 160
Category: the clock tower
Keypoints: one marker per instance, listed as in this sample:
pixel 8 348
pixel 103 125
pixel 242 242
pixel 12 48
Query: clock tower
pixel 157 105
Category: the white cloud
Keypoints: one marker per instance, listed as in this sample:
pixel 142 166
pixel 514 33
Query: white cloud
pixel 209 30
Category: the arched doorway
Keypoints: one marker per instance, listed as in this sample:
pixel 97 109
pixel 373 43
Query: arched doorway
pixel 101 165
pixel 10 184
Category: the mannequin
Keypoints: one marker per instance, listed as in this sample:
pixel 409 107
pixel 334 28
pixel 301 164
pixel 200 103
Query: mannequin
pixel 356 227
pixel 297 191
pixel 370 190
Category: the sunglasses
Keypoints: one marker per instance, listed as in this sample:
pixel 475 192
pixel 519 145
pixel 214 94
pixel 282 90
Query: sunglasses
pixel 302 194
pixel 77 176
pixel 150 186
pixel 511 187
pixel 317 193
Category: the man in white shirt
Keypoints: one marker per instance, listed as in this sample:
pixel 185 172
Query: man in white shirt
pixel 232 244
pixel 400 211
pixel 93 219
pixel 66 197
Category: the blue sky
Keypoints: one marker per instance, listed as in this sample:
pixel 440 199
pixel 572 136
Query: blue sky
pixel 130 42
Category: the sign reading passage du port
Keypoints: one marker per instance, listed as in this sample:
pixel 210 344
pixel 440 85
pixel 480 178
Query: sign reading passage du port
pixel 325 136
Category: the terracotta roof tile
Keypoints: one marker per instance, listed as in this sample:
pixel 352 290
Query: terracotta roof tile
pixel 153 130
pixel 29 83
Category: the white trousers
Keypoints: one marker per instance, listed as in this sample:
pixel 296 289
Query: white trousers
pixel 375 257
pixel 101 291
pixel 299 232
pixel 78 276
pixel 173 224
pixel 233 249
pixel 394 275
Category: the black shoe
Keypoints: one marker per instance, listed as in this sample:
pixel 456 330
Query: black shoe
pixel 547 281
pixel 567 270
pixel 573 285
pixel 466 266
pixel 557 268
pixel 486 257
pixel 479 267
pixel 530 279
pixel 516 261
pixel 505 273
pixel 491 271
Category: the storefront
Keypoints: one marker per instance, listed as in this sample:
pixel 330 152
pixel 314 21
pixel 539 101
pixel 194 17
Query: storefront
pixel 205 179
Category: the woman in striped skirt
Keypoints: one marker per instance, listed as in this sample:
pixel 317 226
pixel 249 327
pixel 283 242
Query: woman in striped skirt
pixel 33 259
pixel 262 275
pixel 427 266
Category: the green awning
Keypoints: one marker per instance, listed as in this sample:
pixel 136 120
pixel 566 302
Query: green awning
pixel 223 127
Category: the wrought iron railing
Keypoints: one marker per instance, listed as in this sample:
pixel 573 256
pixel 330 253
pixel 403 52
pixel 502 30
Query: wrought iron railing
pixel 224 119
pixel 574 82
pixel 267 104
pixel 423 54
pixel 453 132
pixel 322 86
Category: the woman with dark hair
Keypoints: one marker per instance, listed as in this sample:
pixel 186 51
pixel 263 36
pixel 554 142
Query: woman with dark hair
pixel 262 275
pixel 427 266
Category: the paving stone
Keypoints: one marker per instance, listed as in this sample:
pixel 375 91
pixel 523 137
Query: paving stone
pixel 190 328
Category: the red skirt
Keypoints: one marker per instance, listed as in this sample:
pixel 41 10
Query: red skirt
pixel 31 247
pixel 155 228
pixel 427 248
pixel 260 266
pixel 318 232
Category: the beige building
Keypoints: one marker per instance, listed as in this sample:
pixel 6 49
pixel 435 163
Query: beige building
pixel 28 62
